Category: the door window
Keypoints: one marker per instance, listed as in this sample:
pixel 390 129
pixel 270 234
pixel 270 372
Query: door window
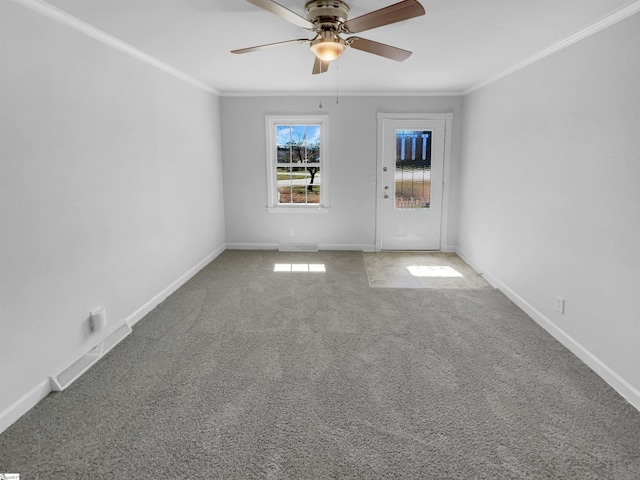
pixel 413 169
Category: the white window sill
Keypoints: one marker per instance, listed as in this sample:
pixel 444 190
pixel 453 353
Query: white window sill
pixel 298 209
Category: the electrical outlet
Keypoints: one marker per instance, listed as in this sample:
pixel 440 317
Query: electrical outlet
pixel 291 232
pixel 559 305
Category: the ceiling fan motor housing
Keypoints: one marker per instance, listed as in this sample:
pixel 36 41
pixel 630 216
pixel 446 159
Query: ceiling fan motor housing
pixel 327 13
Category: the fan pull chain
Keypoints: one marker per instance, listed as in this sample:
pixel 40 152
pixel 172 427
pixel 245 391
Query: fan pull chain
pixel 337 82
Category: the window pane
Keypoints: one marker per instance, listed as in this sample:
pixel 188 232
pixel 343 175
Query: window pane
pixel 283 135
pixel 284 154
pixel 413 169
pixel 298 133
pixel 313 184
pixel 299 185
pixel 313 134
pixel 297 144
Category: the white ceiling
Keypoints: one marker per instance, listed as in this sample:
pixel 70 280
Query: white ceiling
pixel 456 46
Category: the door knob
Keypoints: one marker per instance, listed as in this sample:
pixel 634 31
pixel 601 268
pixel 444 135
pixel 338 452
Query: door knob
pixel 386 196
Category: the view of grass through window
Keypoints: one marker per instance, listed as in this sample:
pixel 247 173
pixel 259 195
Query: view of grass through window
pixel 298 164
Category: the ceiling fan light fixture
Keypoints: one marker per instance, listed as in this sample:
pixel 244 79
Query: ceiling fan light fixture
pixel 328 47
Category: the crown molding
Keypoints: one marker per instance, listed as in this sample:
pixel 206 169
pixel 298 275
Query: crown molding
pixel 68 20
pixel 581 34
pixel 342 94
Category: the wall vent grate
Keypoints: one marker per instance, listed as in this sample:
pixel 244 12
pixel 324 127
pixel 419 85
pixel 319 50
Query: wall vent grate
pixel 70 374
pixel 298 247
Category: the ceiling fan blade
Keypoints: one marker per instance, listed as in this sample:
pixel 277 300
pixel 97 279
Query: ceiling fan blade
pixel 319 66
pixel 283 12
pixel 270 45
pixel 385 16
pixel 382 49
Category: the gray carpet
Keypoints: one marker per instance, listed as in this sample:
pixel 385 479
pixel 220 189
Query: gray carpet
pixel 250 373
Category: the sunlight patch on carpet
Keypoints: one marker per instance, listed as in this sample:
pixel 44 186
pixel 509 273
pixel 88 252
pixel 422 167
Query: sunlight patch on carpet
pixel 421 270
pixel 442 271
pixel 300 267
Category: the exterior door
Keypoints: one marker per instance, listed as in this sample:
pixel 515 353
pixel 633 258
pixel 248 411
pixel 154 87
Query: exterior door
pixel 411 181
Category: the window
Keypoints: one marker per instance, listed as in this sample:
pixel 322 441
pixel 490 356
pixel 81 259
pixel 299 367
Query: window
pixel 297 163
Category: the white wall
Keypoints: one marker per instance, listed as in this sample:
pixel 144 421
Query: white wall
pixel 550 195
pixel 110 191
pixel 352 148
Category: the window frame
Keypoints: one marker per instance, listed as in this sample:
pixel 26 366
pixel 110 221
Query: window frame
pixel 271 122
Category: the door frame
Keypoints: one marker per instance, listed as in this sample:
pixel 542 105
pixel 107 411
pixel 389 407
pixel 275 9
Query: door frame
pixel 446 174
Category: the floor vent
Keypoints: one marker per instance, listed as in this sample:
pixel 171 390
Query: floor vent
pixel 65 378
pixel 298 247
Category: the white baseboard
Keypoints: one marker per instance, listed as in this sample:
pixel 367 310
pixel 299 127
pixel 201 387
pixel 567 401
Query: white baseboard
pixel 252 246
pixel 358 247
pixel 619 384
pixel 140 313
pixel 24 404
pixel 322 246
pixel 31 399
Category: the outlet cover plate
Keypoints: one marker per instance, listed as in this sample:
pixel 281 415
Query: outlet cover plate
pixel 559 305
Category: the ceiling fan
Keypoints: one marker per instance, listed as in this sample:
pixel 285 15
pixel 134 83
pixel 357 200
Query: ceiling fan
pixel 329 19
